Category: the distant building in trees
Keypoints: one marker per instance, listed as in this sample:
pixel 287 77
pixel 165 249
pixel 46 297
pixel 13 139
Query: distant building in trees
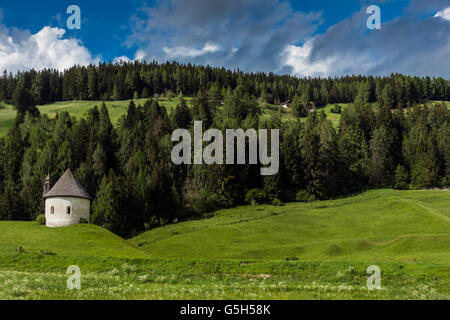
pixel 67 202
pixel 286 105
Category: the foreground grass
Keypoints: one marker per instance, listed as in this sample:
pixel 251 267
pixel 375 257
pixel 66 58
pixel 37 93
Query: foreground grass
pixel 178 279
pixel 318 250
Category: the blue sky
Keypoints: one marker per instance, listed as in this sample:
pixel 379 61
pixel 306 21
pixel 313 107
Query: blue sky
pixel 305 38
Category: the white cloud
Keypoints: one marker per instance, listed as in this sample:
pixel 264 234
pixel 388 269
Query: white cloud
pixel 298 58
pixel 21 50
pixel 183 52
pixel 444 14
pixel 121 59
pixel 248 35
pixel 140 55
pixel 405 45
pixel 302 63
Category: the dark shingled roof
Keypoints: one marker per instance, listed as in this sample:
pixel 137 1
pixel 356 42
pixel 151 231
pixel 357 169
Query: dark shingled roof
pixel 68 186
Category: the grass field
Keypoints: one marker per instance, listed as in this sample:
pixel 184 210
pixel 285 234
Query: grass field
pixel 7 117
pixel 116 109
pixel 317 250
pixel 334 117
pixel 404 226
pixel 79 109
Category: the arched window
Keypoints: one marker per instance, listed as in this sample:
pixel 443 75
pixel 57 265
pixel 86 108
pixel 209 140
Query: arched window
pixel 68 210
pixel 52 210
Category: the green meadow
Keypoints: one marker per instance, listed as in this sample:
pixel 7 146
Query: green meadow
pixel 7 117
pixel 376 226
pixel 79 109
pixel 333 117
pixel 116 109
pixel 316 250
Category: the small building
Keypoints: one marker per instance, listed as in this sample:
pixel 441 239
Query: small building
pixel 286 105
pixel 66 203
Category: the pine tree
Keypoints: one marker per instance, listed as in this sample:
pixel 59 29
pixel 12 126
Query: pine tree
pixel 328 160
pixel 92 83
pixel 22 98
pixel 4 86
pixel 290 156
pixel 401 178
pixel 182 117
pixel 99 162
pixel 299 107
pixel 10 202
pixel 363 96
pixel 105 211
pixel 425 173
pixel 387 96
pixel 64 156
pixel 145 94
pixel 381 163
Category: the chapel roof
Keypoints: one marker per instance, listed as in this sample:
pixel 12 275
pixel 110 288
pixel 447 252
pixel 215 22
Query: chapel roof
pixel 68 186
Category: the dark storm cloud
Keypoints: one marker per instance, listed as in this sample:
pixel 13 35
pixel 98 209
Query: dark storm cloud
pixel 238 34
pixel 268 35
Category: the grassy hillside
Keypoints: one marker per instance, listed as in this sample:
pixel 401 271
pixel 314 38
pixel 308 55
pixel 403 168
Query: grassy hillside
pixel 318 250
pixel 81 240
pixel 116 109
pixel 446 102
pixel 382 225
pixel 334 117
pixel 78 109
pixel 7 116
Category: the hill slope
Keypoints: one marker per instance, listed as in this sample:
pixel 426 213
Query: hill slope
pixel 406 233
pixel 382 225
pixel 78 109
pixel 80 240
pixel 116 109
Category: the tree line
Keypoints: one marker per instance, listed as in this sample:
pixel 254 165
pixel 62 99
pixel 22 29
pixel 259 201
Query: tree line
pixel 133 80
pixel 128 171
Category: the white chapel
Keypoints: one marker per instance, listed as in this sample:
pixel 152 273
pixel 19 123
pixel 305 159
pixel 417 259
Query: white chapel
pixel 67 202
